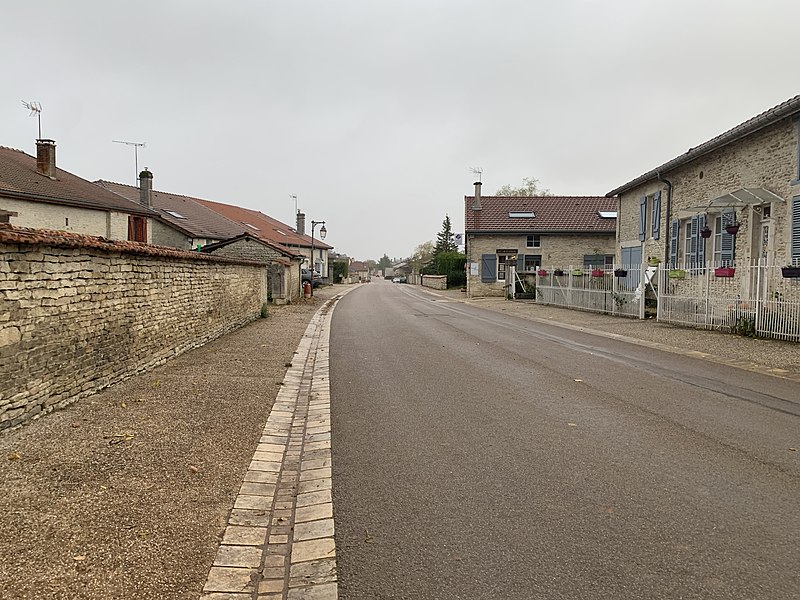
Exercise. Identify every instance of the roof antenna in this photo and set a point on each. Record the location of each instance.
(36, 109)
(136, 146)
(476, 171)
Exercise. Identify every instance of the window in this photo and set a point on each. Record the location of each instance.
(650, 218)
(501, 267)
(534, 241)
(532, 262)
(724, 246)
(137, 229)
(599, 261)
(521, 215)
(178, 215)
(251, 226)
(607, 214)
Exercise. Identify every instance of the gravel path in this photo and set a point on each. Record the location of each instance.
(125, 494)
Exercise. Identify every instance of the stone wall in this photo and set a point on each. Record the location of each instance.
(767, 158)
(78, 314)
(436, 282)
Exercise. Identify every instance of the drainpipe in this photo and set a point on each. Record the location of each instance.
(668, 212)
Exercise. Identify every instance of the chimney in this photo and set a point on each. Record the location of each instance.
(146, 188)
(301, 223)
(46, 158)
(477, 204)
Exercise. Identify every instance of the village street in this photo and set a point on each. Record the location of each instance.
(480, 455)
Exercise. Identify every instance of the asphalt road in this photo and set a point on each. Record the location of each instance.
(478, 455)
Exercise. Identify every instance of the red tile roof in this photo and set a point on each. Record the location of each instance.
(562, 214)
(199, 220)
(282, 249)
(20, 180)
(263, 226)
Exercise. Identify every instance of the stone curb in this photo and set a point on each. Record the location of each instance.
(278, 543)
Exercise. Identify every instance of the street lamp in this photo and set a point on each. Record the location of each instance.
(322, 233)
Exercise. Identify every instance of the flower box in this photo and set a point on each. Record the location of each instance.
(620, 272)
(542, 272)
(677, 274)
(558, 273)
(577, 272)
(790, 272)
(598, 273)
(653, 261)
(724, 272)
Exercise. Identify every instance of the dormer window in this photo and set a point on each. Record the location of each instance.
(521, 215)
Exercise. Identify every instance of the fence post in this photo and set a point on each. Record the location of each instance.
(758, 291)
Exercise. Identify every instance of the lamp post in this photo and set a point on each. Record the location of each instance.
(322, 233)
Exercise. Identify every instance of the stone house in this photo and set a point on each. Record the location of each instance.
(314, 251)
(749, 175)
(284, 270)
(534, 232)
(192, 225)
(359, 271)
(35, 193)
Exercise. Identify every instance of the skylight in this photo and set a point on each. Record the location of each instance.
(177, 215)
(279, 231)
(521, 215)
(251, 226)
(607, 214)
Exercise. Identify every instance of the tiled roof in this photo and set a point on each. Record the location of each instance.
(64, 239)
(358, 265)
(282, 249)
(768, 117)
(200, 221)
(20, 180)
(263, 226)
(564, 214)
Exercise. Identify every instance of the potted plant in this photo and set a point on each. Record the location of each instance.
(705, 232)
(653, 261)
(577, 272)
(558, 272)
(620, 272)
(677, 274)
(733, 227)
(542, 272)
(724, 271)
(790, 271)
(598, 272)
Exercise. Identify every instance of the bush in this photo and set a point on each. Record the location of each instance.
(450, 264)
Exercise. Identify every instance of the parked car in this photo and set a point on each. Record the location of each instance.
(314, 279)
(400, 279)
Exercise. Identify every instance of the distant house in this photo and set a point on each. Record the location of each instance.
(359, 271)
(191, 224)
(749, 175)
(267, 228)
(35, 193)
(534, 231)
(284, 271)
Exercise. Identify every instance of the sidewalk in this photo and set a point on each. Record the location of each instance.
(763, 356)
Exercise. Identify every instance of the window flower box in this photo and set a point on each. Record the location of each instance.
(598, 273)
(790, 272)
(542, 272)
(558, 273)
(653, 261)
(620, 272)
(724, 272)
(677, 274)
(577, 272)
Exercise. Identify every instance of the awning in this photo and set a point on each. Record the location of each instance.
(740, 198)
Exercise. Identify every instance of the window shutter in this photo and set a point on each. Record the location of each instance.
(795, 227)
(642, 217)
(657, 216)
(131, 230)
(694, 241)
(726, 240)
(488, 262)
(520, 262)
(701, 241)
(673, 242)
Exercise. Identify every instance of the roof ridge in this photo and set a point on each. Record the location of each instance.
(14, 149)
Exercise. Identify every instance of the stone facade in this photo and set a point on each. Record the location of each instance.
(74, 319)
(557, 250)
(764, 159)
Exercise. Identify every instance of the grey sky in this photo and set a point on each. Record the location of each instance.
(372, 111)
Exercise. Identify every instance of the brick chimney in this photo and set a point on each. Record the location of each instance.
(146, 188)
(476, 205)
(301, 223)
(46, 158)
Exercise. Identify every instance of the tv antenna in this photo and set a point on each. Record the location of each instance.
(476, 171)
(136, 146)
(294, 196)
(36, 109)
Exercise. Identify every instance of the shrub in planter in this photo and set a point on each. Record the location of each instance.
(724, 271)
(542, 272)
(577, 272)
(676, 274)
(598, 273)
(653, 261)
(558, 273)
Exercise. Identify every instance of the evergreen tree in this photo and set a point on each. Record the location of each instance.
(444, 239)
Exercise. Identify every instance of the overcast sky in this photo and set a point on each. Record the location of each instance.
(373, 111)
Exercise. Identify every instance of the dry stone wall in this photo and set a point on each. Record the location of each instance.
(75, 319)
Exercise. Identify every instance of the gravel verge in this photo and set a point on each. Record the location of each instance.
(125, 494)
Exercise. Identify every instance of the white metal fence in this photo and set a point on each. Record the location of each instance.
(746, 299)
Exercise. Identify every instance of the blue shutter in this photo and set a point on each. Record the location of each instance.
(701, 241)
(795, 228)
(488, 262)
(642, 217)
(694, 242)
(726, 240)
(675, 229)
(657, 216)
(520, 262)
